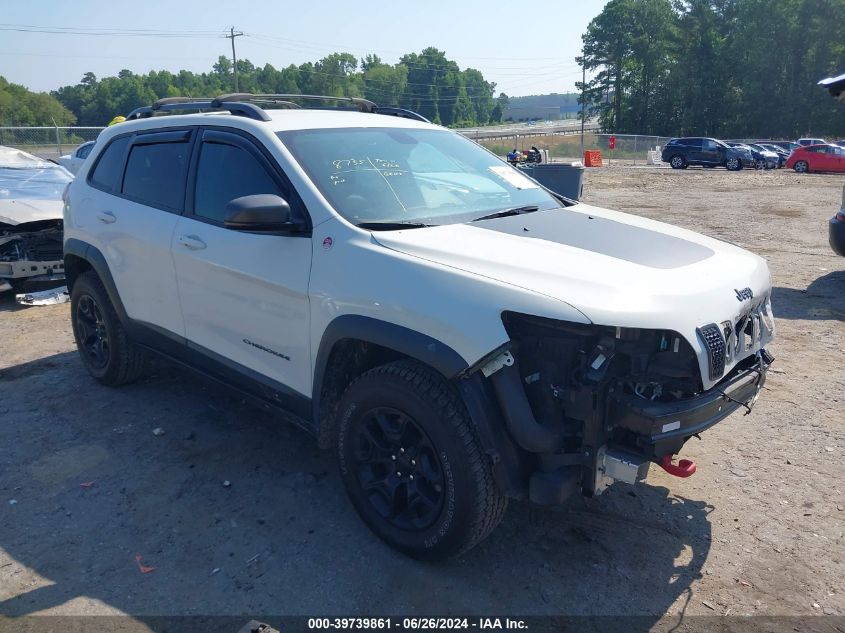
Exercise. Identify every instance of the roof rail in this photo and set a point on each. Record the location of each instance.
(246, 104)
(364, 105)
(248, 110)
(400, 112)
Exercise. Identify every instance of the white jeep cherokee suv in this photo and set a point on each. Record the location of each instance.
(459, 334)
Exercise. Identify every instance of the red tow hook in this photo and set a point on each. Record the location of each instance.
(684, 467)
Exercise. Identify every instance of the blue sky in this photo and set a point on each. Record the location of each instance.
(525, 47)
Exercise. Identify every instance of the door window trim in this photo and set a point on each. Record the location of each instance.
(147, 137)
(248, 143)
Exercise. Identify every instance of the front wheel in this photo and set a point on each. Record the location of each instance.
(802, 167)
(733, 164)
(678, 162)
(412, 462)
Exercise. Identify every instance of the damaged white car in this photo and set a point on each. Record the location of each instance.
(30, 220)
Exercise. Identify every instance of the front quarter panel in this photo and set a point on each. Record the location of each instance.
(354, 275)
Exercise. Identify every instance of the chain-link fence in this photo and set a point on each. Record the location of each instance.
(47, 142)
(630, 146)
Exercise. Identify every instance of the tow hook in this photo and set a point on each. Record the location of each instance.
(684, 467)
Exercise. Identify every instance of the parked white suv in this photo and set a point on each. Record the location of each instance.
(459, 334)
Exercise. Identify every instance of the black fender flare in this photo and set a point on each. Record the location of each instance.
(398, 338)
(92, 255)
(509, 468)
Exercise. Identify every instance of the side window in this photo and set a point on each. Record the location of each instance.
(817, 150)
(83, 151)
(710, 145)
(109, 167)
(226, 172)
(155, 174)
(693, 143)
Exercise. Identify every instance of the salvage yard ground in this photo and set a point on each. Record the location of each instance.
(85, 485)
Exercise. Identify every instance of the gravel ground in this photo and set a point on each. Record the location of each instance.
(86, 486)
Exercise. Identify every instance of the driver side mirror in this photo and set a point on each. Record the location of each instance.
(262, 213)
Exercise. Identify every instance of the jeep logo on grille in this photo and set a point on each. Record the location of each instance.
(744, 294)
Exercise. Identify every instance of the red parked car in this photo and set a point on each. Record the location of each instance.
(817, 158)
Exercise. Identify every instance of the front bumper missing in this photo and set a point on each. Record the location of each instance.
(662, 428)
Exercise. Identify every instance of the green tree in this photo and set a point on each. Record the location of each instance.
(19, 106)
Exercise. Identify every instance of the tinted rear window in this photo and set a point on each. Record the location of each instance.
(110, 165)
(155, 174)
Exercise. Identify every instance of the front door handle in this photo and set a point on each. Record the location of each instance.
(192, 242)
(106, 217)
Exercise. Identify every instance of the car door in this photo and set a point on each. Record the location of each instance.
(244, 295)
(819, 159)
(693, 150)
(710, 152)
(136, 195)
(837, 159)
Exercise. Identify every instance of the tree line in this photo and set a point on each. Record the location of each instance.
(426, 82)
(19, 106)
(724, 68)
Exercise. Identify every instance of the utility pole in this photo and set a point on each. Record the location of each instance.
(232, 35)
(583, 98)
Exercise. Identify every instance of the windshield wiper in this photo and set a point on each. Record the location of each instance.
(392, 226)
(507, 212)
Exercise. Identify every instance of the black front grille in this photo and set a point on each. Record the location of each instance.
(715, 343)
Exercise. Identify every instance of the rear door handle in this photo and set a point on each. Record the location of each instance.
(106, 217)
(192, 242)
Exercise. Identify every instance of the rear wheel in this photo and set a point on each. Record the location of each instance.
(413, 464)
(678, 162)
(104, 347)
(733, 164)
(802, 167)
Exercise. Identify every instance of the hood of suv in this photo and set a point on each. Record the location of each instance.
(617, 269)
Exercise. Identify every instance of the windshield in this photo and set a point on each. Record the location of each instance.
(407, 175)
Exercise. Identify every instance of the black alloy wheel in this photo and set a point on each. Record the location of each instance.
(397, 466)
(92, 332)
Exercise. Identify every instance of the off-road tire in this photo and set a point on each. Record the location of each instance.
(471, 504)
(124, 361)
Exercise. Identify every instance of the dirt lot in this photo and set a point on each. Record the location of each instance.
(757, 531)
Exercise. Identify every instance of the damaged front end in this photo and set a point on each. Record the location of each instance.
(31, 255)
(31, 228)
(590, 405)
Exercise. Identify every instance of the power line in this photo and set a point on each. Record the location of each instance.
(112, 32)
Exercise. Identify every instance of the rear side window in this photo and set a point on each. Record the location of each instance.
(693, 143)
(83, 151)
(155, 174)
(226, 172)
(109, 167)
